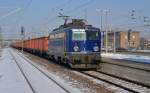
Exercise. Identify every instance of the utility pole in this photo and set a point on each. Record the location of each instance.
(102, 39)
(106, 28)
(22, 36)
(114, 41)
(129, 37)
(101, 27)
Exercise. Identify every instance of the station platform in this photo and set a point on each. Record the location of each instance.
(19, 75)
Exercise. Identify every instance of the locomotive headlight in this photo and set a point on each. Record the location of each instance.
(76, 48)
(95, 48)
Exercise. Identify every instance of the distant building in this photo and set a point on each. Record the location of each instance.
(148, 44)
(124, 39)
(144, 43)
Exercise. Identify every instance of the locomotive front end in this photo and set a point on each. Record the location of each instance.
(85, 48)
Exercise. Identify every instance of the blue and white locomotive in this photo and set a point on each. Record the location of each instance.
(76, 44)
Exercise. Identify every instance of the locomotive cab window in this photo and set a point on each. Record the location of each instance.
(92, 35)
(79, 35)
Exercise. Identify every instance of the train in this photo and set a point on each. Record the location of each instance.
(75, 44)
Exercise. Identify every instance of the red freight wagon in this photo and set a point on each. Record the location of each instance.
(32, 44)
(39, 44)
(42, 44)
(28, 44)
(17, 44)
(25, 44)
(30, 47)
(35, 45)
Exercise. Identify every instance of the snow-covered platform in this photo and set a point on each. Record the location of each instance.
(13, 81)
(132, 67)
(129, 57)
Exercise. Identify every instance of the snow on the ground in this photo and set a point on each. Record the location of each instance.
(147, 51)
(137, 58)
(39, 81)
(11, 79)
(59, 80)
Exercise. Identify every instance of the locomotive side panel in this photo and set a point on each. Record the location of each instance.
(56, 44)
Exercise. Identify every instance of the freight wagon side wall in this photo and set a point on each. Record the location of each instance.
(46, 44)
(32, 44)
(43, 44)
(39, 45)
(36, 45)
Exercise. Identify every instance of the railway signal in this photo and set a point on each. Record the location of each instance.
(22, 36)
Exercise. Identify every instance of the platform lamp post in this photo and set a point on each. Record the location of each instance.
(22, 37)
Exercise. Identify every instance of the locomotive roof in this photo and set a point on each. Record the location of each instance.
(76, 24)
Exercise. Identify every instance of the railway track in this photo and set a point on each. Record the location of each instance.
(39, 69)
(129, 66)
(121, 83)
(44, 62)
(125, 79)
(138, 73)
(22, 72)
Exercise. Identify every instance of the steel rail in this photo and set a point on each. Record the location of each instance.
(21, 70)
(44, 74)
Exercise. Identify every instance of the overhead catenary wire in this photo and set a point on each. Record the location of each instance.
(17, 10)
(23, 10)
(10, 13)
(58, 7)
(54, 18)
(64, 4)
(14, 11)
(81, 6)
(135, 20)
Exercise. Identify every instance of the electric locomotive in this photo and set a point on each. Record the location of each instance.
(76, 44)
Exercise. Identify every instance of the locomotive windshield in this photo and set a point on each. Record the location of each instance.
(85, 35)
(79, 35)
(92, 35)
